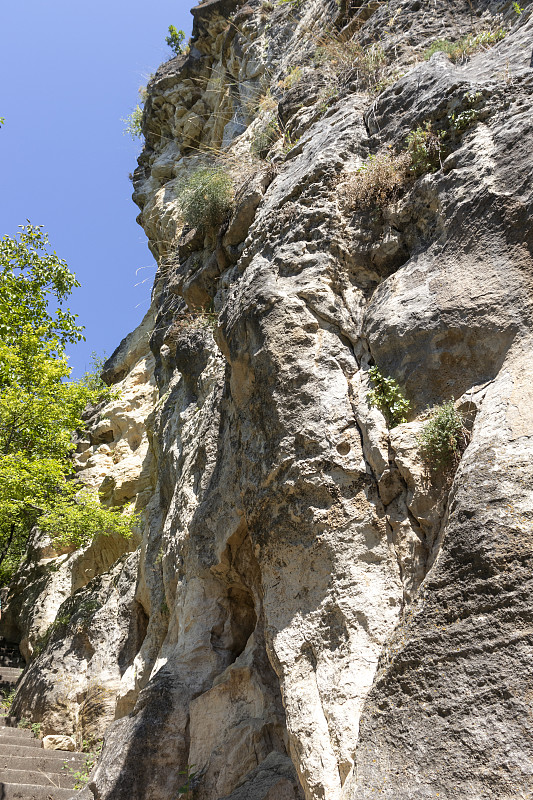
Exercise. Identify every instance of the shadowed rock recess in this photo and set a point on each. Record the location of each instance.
(308, 610)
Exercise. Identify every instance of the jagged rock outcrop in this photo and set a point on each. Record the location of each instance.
(310, 613)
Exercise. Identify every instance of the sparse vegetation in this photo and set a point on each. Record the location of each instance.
(293, 77)
(443, 438)
(388, 397)
(187, 789)
(465, 47)
(206, 198)
(194, 318)
(265, 137)
(351, 61)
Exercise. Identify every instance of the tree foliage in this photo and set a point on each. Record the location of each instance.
(175, 40)
(39, 407)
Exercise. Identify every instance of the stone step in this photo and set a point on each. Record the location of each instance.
(21, 733)
(14, 739)
(10, 673)
(58, 780)
(26, 791)
(10, 722)
(17, 749)
(42, 762)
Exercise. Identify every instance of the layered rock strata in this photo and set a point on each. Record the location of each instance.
(310, 613)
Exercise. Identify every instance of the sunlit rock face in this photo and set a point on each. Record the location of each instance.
(311, 613)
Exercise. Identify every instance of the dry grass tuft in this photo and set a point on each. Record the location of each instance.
(378, 182)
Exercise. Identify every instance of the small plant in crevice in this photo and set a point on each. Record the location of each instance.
(206, 198)
(36, 729)
(187, 789)
(81, 775)
(6, 700)
(388, 398)
(443, 438)
(195, 318)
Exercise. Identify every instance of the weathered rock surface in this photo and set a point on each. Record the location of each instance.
(310, 614)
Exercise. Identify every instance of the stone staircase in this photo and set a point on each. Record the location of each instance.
(27, 771)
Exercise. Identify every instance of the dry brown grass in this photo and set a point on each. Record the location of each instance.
(349, 60)
(378, 182)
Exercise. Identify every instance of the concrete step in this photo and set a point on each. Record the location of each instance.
(20, 733)
(15, 740)
(42, 762)
(26, 791)
(38, 778)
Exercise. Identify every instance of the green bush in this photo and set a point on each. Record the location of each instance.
(75, 521)
(388, 398)
(206, 198)
(443, 438)
(425, 148)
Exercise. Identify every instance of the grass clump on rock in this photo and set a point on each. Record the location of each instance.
(443, 438)
(379, 181)
(465, 47)
(206, 197)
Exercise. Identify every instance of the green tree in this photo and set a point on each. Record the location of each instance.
(39, 407)
(175, 40)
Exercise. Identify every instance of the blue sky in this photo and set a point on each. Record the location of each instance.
(70, 72)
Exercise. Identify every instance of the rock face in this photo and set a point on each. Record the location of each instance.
(312, 613)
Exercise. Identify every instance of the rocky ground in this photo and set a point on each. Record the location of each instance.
(308, 610)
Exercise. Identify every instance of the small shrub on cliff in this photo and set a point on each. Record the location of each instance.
(133, 123)
(175, 40)
(75, 521)
(264, 138)
(443, 438)
(388, 398)
(206, 198)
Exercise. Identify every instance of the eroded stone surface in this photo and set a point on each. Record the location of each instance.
(311, 613)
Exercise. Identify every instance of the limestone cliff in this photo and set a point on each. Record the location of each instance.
(307, 612)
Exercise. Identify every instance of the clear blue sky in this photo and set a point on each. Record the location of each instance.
(69, 72)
